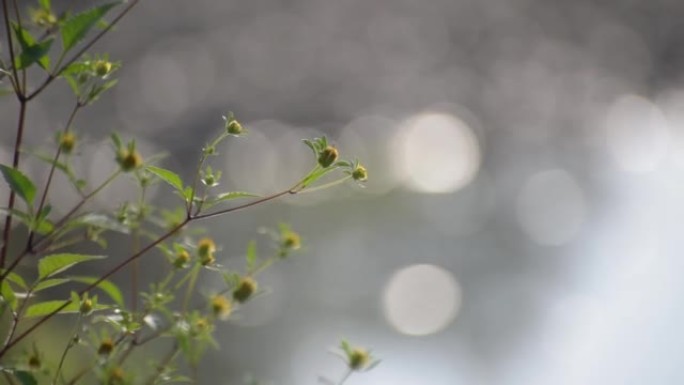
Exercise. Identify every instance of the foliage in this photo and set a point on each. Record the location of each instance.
(49, 46)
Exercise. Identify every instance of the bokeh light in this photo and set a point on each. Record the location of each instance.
(421, 299)
(637, 134)
(437, 152)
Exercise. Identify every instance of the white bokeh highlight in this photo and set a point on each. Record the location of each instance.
(637, 134)
(421, 299)
(437, 153)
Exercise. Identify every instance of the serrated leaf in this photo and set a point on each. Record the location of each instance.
(167, 176)
(107, 286)
(75, 28)
(31, 51)
(251, 255)
(19, 183)
(49, 283)
(48, 307)
(35, 53)
(57, 263)
(26, 378)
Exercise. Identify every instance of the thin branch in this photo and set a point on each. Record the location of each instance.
(137, 255)
(291, 191)
(12, 197)
(10, 45)
(80, 52)
(53, 166)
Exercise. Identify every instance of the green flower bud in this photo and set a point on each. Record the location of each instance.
(102, 68)
(182, 259)
(358, 359)
(116, 376)
(221, 306)
(67, 141)
(129, 160)
(360, 174)
(233, 127)
(205, 249)
(86, 306)
(106, 347)
(34, 362)
(291, 240)
(245, 289)
(328, 156)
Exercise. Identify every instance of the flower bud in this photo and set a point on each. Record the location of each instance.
(67, 141)
(86, 306)
(328, 156)
(245, 289)
(106, 347)
(34, 362)
(221, 306)
(358, 359)
(233, 127)
(116, 376)
(360, 174)
(102, 68)
(205, 246)
(291, 240)
(205, 249)
(129, 160)
(182, 259)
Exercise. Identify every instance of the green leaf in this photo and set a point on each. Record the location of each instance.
(100, 221)
(49, 283)
(233, 195)
(251, 255)
(35, 53)
(107, 286)
(19, 183)
(26, 378)
(225, 197)
(8, 295)
(316, 175)
(167, 176)
(48, 307)
(44, 3)
(31, 51)
(97, 91)
(16, 279)
(57, 263)
(77, 26)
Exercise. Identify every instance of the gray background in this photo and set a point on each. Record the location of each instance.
(553, 199)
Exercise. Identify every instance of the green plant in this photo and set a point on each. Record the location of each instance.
(51, 46)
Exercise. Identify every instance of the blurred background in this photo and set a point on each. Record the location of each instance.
(526, 158)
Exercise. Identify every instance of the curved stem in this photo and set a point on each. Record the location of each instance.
(163, 364)
(68, 347)
(12, 196)
(53, 166)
